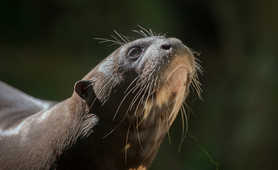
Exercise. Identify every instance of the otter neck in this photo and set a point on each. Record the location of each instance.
(144, 141)
(133, 145)
(64, 124)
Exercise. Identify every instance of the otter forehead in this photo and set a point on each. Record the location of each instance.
(144, 41)
(153, 41)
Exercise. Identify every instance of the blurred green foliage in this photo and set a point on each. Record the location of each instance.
(45, 46)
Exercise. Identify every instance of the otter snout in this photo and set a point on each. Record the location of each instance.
(167, 48)
(163, 47)
(171, 43)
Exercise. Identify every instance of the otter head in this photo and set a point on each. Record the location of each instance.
(141, 87)
(155, 71)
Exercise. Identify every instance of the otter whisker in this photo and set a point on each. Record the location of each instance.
(185, 119)
(184, 132)
(105, 40)
(110, 132)
(126, 143)
(122, 37)
(138, 84)
(124, 116)
(142, 96)
(141, 33)
(147, 31)
(149, 86)
(127, 93)
(182, 124)
(137, 95)
(135, 80)
(197, 86)
(145, 104)
(155, 85)
(151, 32)
(138, 134)
(117, 126)
(194, 77)
(127, 110)
(154, 89)
(117, 39)
(144, 89)
(149, 91)
(168, 124)
(133, 89)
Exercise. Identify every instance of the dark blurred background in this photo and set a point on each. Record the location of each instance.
(47, 45)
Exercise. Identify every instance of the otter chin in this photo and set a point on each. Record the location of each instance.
(116, 118)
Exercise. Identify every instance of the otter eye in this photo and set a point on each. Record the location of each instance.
(135, 52)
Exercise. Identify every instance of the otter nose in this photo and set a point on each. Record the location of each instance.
(166, 46)
(171, 43)
(175, 42)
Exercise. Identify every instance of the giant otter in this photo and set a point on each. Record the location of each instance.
(115, 119)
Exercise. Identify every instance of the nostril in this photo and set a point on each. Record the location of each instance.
(166, 46)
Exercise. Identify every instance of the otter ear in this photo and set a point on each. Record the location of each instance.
(84, 88)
